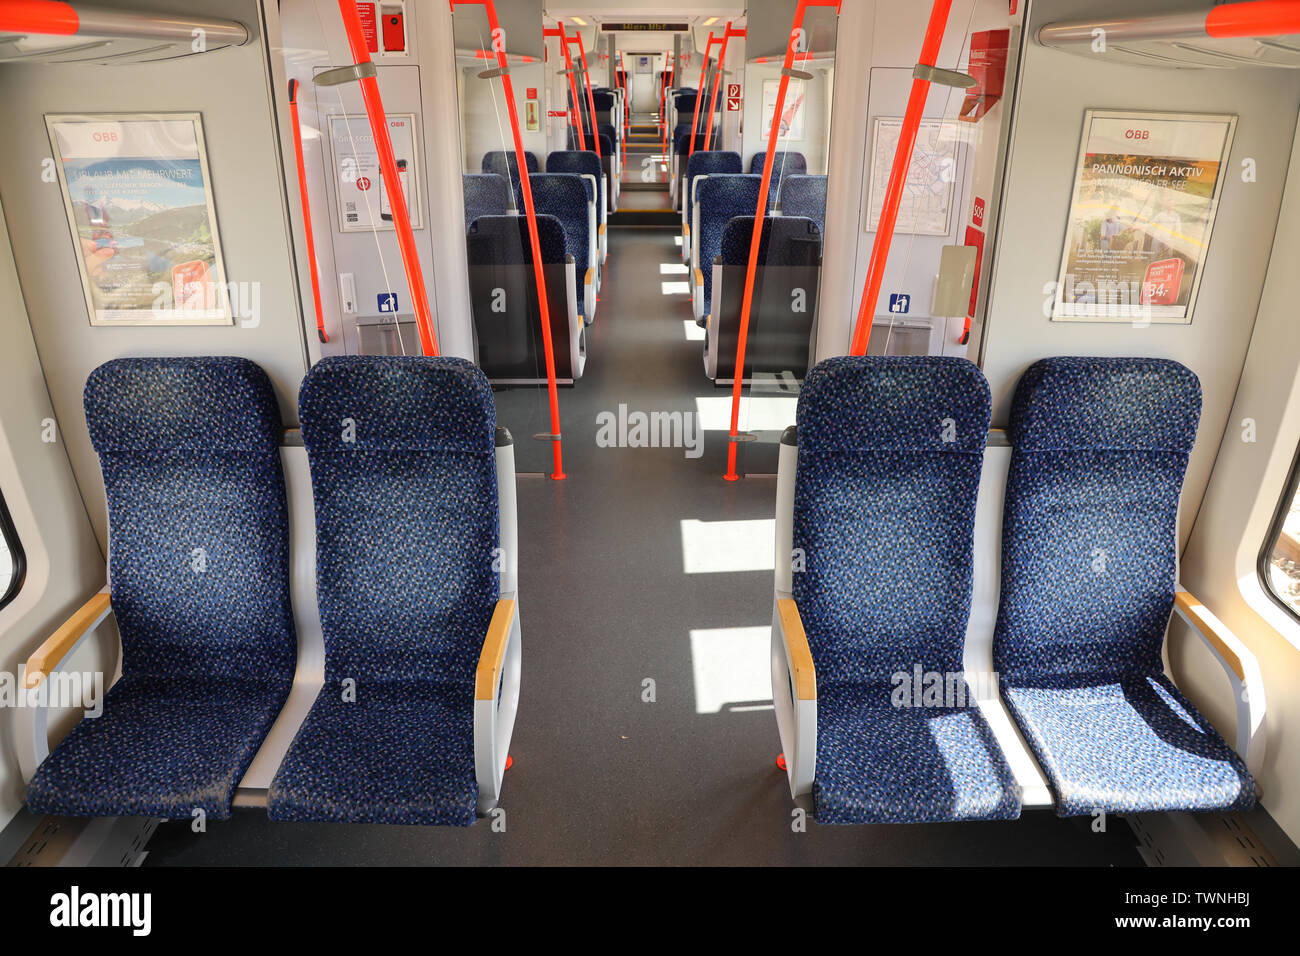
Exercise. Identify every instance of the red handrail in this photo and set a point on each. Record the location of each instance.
(306, 210)
(388, 173)
(727, 34)
(539, 274)
(760, 214)
(699, 93)
(898, 178)
(575, 115)
(591, 100)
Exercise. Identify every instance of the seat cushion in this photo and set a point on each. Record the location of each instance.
(161, 748)
(402, 752)
(877, 763)
(1131, 746)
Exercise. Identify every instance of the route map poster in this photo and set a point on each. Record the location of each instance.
(1146, 191)
(926, 209)
(139, 201)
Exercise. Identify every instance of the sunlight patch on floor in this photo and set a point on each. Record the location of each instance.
(732, 667)
(713, 547)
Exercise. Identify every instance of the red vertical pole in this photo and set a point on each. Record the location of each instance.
(575, 113)
(539, 274)
(306, 211)
(760, 214)
(591, 100)
(392, 185)
(699, 93)
(727, 34)
(663, 102)
(898, 179)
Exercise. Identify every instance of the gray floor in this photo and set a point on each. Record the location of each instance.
(601, 777)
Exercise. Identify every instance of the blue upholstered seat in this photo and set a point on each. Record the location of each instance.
(890, 452)
(565, 196)
(504, 240)
(712, 163)
(581, 163)
(720, 198)
(805, 196)
(786, 163)
(486, 194)
(199, 565)
(406, 525)
(504, 163)
(786, 241)
(1089, 561)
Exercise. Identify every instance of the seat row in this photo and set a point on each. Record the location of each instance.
(343, 647)
(942, 600)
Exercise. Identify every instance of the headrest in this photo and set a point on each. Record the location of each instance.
(707, 163)
(211, 404)
(1105, 404)
(504, 240)
(486, 189)
(562, 188)
(574, 161)
(396, 403)
(603, 100)
(803, 195)
(798, 241)
(894, 403)
(499, 161)
(785, 162)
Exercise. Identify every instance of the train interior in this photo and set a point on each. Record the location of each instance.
(630, 433)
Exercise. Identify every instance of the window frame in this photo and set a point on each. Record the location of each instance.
(1280, 513)
(16, 553)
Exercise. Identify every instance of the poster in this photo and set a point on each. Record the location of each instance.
(791, 116)
(358, 185)
(926, 207)
(1146, 190)
(139, 202)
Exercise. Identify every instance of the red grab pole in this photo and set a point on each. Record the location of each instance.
(898, 179)
(591, 100)
(388, 172)
(695, 120)
(575, 114)
(306, 210)
(760, 215)
(727, 34)
(539, 275)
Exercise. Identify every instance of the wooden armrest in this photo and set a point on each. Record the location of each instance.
(589, 277)
(601, 229)
(686, 228)
(699, 278)
(797, 650)
(488, 674)
(1211, 629)
(56, 647)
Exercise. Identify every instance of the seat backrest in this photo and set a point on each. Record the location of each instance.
(786, 241)
(711, 163)
(603, 99)
(504, 241)
(198, 535)
(890, 453)
(721, 198)
(1089, 527)
(486, 194)
(684, 103)
(403, 471)
(504, 163)
(580, 163)
(805, 196)
(565, 196)
(785, 162)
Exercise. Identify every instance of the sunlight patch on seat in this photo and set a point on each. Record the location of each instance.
(721, 547)
(732, 669)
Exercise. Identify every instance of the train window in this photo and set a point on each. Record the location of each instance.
(12, 564)
(1280, 564)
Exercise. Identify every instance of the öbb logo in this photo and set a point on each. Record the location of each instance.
(1137, 134)
(106, 136)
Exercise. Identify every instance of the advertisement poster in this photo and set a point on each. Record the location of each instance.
(791, 116)
(362, 199)
(926, 208)
(139, 201)
(1146, 190)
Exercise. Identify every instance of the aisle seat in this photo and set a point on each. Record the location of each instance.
(700, 164)
(783, 303)
(503, 295)
(1089, 578)
(718, 200)
(571, 200)
(198, 556)
(418, 612)
(877, 497)
(584, 163)
(486, 194)
(785, 162)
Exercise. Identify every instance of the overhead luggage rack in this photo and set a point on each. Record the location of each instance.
(1257, 33)
(48, 31)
